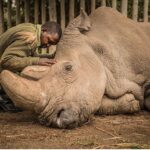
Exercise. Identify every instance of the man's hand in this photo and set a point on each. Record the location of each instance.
(46, 62)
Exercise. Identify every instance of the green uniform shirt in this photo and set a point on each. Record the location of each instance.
(17, 46)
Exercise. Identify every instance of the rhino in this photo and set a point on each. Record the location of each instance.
(103, 67)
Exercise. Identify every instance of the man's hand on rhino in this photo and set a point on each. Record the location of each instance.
(46, 62)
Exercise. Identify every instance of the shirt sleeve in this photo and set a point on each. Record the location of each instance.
(17, 56)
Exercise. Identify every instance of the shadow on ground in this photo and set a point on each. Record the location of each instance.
(22, 130)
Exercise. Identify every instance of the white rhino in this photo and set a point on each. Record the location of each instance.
(103, 67)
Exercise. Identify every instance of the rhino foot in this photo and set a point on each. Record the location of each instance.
(123, 105)
(130, 106)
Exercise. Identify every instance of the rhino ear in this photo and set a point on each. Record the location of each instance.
(85, 23)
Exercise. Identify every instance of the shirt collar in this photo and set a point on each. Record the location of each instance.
(38, 31)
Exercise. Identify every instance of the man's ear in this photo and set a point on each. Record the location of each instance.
(85, 23)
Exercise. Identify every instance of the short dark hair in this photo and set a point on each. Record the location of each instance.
(52, 27)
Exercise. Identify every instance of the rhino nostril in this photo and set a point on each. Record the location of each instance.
(60, 111)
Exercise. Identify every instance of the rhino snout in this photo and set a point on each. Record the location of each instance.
(67, 118)
(64, 117)
(70, 118)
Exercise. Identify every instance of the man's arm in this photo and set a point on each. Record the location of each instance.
(46, 52)
(17, 56)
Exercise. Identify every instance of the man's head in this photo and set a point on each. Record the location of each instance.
(51, 34)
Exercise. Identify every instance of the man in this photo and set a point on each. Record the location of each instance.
(18, 47)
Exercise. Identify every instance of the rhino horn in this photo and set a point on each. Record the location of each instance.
(26, 94)
(85, 23)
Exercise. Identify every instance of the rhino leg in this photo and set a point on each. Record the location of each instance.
(122, 105)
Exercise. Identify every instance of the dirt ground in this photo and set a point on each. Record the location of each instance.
(22, 130)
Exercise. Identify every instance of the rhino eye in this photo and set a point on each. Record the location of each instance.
(68, 67)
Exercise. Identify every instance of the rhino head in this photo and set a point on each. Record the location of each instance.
(67, 93)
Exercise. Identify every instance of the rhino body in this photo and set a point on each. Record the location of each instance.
(102, 67)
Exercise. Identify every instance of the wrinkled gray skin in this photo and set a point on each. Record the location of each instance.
(102, 67)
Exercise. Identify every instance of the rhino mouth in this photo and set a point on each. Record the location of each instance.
(64, 117)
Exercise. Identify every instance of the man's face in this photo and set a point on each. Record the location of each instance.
(48, 39)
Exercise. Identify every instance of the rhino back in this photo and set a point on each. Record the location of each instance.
(127, 42)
